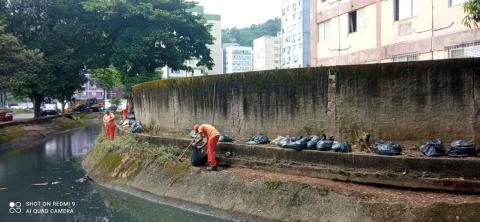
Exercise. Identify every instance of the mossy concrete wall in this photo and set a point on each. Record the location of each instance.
(397, 101)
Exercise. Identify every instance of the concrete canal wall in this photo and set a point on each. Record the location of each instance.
(132, 165)
(396, 101)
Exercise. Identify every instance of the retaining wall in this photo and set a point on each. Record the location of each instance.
(396, 101)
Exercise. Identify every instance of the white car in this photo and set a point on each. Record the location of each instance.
(49, 109)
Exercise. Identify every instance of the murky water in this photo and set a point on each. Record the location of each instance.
(45, 183)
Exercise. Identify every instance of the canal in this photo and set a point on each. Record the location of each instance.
(47, 183)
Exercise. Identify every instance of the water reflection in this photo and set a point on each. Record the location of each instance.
(51, 172)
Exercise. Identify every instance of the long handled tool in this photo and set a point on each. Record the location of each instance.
(185, 150)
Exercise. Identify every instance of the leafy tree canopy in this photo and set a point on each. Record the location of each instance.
(69, 38)
(245, 36)
(472, 9)
(147, 34)
(18, 65)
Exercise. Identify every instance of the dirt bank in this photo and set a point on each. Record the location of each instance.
(128, 163)
(35, 130)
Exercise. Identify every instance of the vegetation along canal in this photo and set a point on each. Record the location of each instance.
(46, 183)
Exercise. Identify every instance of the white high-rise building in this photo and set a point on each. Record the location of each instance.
(267, 53)
(295, 33)
(215, 49)
(238, 59)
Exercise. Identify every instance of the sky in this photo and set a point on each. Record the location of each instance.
(243, 13)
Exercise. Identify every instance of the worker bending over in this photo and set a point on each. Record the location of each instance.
(109, 123)
(212, 134)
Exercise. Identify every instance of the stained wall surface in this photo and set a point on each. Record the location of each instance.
(396, 101)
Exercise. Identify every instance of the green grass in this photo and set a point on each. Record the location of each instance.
(87, 116)
(107, 156)
(273, 185)
(109, 162)
(10, 133)
(68, 123)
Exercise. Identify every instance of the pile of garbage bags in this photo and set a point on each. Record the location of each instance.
(458, 148)
(388, 148)
(433, 148)
(135, 126)
(225, 139)
(462, 148)
(258, 139)
(300, 143)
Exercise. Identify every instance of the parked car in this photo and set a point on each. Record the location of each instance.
(8, 117)
(49, 109)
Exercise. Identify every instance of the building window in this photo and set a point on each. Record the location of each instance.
(455, 2)
(352, 22)
(468, 50)
(405, 57)
(405, 9)
(324, 31)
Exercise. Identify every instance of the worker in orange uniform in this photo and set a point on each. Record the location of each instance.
(212, 134)
(125, 114)
(109, 123)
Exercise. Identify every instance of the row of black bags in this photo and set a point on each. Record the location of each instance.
(458, 148)
(430, 148)
(300, 143)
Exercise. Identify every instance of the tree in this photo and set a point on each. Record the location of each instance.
(18, 66)
(66, 34)
(245, 36)
(147, 34)
(472, 9)
(106, 78)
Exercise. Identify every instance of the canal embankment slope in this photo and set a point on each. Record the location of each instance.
(130, 163)
(36, 130)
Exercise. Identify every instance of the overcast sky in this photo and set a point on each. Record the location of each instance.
(243, 13)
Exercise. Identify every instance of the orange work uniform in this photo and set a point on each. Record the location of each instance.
(109, 123)
(125, 114)
(213, 136)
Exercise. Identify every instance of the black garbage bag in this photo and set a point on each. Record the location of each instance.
(312, 143)
(137, 128)
(433, 148)
(258, 139)
(298, 145)
(224, 138)
(199, 157)
(325, 144)
(389, 148)
(340, 146)
(284, 142)
(462, 148)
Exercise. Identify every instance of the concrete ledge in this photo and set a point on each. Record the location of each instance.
(450, 174)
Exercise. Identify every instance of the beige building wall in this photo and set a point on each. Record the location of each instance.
(385, 38)
(266, 53)
(216, 48)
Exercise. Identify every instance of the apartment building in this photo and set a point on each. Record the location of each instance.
(91, 90)
(267, 53)
(373, 31)
(216, 51)
(295, 34)
(238, 59)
